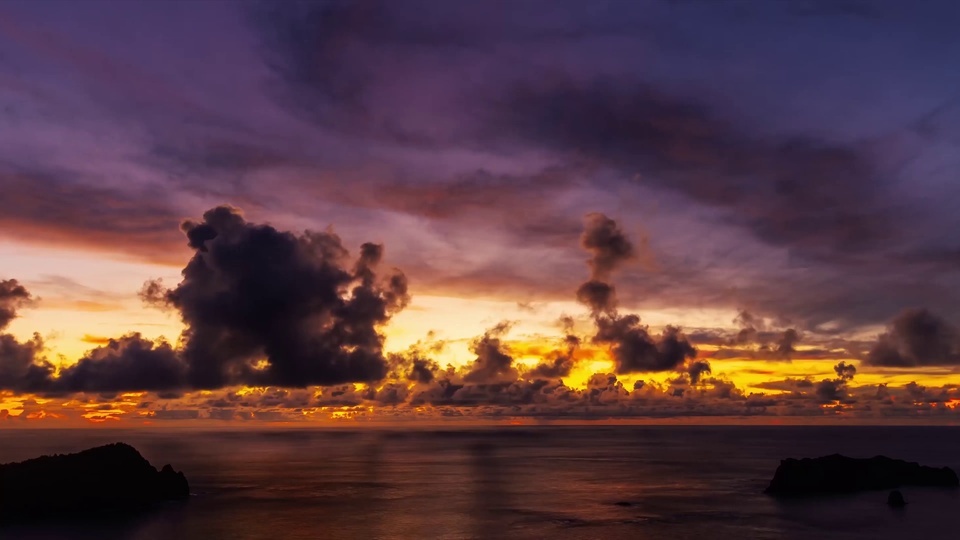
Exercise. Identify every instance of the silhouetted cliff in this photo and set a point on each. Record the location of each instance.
(111, 479)
(841, 474)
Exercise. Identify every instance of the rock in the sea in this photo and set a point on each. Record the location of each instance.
(111, 479)
(841, 474)
(896, 500)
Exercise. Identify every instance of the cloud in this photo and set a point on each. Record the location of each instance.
(634, 350)
(13, 296)
(785, 345)
(696, 371)
(21, 368)
(607, 244)
(493, 362)
(422, 370)
(558, 364)
(127, 363)
(679, 144)
(757, 338)
(41, 207)
(830, 390)
(261, 307)
(837, 390)
(287, 312)
(916, 337)
(254, 293)
(600, 297)
(212, 157)
(845, 371)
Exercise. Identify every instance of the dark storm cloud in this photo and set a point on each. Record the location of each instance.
(600, 297)
(552, 369)
(13, 296)
(21, 368)
(824, 391)
(696, 371)
(829, 390)
(493, 362)
(845, 371)
(128, 363)
(634, 350)
(785, 345)
(422, 370)
(413, 366)
(788, 385)
(503, 394)
(916, 337)
(757, 338)
(609, 248)
(251, 292)
(558, 364)
(607, 244)
(261, 307)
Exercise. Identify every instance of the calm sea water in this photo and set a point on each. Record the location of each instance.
(524, 483)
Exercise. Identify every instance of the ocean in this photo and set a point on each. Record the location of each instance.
(575, 483)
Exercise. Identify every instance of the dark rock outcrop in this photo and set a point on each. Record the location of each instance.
(108, 480)
(841, 474)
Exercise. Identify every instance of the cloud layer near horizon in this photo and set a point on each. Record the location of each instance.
(270, 309)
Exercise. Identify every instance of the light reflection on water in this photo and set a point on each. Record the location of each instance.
(569, 483)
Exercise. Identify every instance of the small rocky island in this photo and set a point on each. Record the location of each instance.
(104, 481)
(841, 474)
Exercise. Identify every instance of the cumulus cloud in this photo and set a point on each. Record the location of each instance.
(127, 363)
(282, 312)
(493, 362)
(21, 368)
(261, 307)
(558, 364)
(636, 350)
(845, 371)
(13, 295)
(609, 247)
(422, 370)
(254, 293)
(633, 348)
(916, 337)
(600, 297)
(787, 341)
(696, 371)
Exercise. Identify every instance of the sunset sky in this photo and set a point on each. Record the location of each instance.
(214, 212)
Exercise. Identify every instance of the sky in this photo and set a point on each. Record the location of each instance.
(537, 211)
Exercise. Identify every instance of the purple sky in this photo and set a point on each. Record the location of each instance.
(796, 160)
